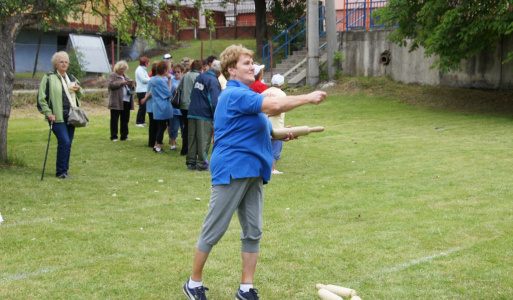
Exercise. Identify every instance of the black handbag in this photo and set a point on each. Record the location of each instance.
(177, 98)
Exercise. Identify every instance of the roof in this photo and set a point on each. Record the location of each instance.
(243, 6)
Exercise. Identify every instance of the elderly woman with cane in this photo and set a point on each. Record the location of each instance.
(58, 93)
(241, 164)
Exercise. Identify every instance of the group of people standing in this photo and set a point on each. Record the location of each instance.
(199, 88)
(200, 83)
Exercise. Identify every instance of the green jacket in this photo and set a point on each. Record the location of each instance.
(54, 95)
(187, 83)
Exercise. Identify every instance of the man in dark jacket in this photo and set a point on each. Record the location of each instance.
(201, 116)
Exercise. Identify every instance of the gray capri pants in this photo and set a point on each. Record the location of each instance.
(244, 195)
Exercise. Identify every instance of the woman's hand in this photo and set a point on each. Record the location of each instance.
(75, 88)
(51, 118)
(146, 97)
(317, 97)
(290, 136)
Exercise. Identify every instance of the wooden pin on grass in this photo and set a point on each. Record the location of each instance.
(327, 295)
(339, 290)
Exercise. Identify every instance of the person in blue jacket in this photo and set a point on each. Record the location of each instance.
(175, 123)
(160, 88)
(200, 119)
(240, 165)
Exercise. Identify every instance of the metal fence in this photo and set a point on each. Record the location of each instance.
(357, 15)
(29, 58)
(360, 15)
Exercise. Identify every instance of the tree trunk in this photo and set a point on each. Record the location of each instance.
(6, 85)
(261, 25)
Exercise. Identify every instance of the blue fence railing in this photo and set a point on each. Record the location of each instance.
(357, 15)
(293, 38)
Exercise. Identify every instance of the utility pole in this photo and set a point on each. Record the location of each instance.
(331, 36)
(312, 72)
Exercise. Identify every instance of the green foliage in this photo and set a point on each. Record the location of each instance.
(323, 71)
(210, 21)
(452, 30)
(76, 64)
(337, 62)
(284, 14)
(323, 67)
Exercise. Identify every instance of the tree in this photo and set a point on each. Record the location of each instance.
(452, 30)
(285, 13)
(261, 25)
(16, 14)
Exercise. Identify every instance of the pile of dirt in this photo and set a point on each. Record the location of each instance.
(94, 82)
(89, 82)
(26, 83)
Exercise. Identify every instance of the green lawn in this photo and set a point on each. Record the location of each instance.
(192, 50)
(394, 201)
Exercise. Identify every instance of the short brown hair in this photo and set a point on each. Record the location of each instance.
(179, 66)
(154, 67)
(196, 65)
(230, 57)
(162, 67)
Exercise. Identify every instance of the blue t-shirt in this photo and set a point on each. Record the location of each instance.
(160, 93)
(242, 136)
(149, 102)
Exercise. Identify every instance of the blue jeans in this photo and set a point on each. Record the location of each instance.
(174, 125)
(64, 134)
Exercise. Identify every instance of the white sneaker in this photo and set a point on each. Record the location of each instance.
(140, 125)
(276, 172)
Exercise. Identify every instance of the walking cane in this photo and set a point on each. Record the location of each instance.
(48, 146)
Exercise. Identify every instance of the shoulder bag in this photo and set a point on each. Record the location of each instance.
(176, 100)
(77, 117)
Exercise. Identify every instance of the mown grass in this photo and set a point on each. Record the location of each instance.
(192, 50)
(392, 200)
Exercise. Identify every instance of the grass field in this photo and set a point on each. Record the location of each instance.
(192, 50)
(393, 200)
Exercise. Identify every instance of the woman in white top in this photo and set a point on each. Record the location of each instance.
(141, 79)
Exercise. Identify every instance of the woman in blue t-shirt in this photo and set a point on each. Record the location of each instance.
(241, 164)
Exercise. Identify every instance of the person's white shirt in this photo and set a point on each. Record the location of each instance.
(141, 79)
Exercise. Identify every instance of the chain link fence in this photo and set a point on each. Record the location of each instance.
(34, 58)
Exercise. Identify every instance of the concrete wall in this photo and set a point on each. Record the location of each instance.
(362, 52)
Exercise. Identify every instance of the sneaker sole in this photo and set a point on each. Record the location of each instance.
(186, 293)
